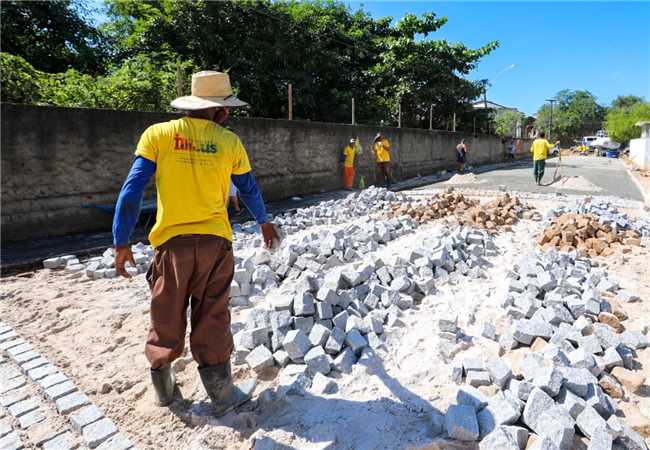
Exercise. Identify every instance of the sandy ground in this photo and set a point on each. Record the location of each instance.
(95, 331)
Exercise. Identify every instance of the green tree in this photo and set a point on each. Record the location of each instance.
(505, 122)
(626, 101)
(52, 35)
(575, 114)
(19, 81)
(620, 121)
(329, 54)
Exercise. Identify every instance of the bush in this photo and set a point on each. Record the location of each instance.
(620, 122)
(19, 80)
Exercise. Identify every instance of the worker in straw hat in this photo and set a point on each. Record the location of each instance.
(193, 158)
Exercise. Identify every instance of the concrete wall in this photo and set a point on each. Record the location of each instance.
(55, 160)
(640, 152)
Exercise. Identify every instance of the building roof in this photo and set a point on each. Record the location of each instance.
(490, 105)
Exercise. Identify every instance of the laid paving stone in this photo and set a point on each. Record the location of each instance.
(461, 423)
(65, 440)
(52, 379)
(18, 349)
(59, 390)
(34, 363)
(14, 383)
(71, 402)
(9, 398)
(24, 406)
(11, 441)
(42, 432)
(31, 418)
(5, 427)
(26, 357)
(9, 343)
(41, 372)
(97, 432)
(116, 442)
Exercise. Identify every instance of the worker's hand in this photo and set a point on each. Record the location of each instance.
(122, 255)
(557, 142)
(270, 234)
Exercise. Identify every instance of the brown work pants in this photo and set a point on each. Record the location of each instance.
(196, 270)
(384, 172)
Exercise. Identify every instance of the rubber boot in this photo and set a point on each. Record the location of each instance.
(225, 395)
(164, 381)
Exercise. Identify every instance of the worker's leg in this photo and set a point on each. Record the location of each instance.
(385, 170)
(211, 341)
(535, 171)
(348, 177)
(168, 278)
(542, 165)
(380, 175)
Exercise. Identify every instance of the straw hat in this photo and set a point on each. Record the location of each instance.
(209, 89)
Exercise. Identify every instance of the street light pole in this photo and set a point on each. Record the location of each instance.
(550, 127)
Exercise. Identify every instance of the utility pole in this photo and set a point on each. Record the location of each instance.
(550, 127)
(290, 92)
(430, 117)
(352, 110)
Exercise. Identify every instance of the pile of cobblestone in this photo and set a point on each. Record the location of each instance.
(368, 201)
(580, 360)
(587, 234)
(326, 319)
(606, 213)
(503, 211)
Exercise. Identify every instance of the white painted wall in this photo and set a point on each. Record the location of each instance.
(640, 152)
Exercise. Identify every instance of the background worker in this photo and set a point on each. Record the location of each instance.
(193, 159)
(539, 149)
(381, 148)
(349, 154)
(461, 155)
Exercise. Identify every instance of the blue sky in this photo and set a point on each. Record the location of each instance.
(603, 47)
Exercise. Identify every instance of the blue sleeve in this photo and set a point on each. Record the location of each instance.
(127, 208)
(250, 194)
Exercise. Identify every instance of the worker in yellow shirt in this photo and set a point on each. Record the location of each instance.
(193, 159)
(350, 152)
(539, 149)
(381, 148)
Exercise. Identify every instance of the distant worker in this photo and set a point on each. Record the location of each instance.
(193, 160)
(512, 150)
(539, 149)
(461, 155)
(381, 148)
(350, 152)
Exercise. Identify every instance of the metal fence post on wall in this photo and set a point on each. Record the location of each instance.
(430, 117)
(353, 121)
(290, 92)
(454, 124)
(399, 115)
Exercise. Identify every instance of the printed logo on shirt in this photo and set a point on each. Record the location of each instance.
(183, 144)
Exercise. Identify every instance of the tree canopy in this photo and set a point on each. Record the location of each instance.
(621, 120)
(328, 53)
(506, 121)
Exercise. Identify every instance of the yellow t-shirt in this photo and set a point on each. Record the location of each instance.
(382, 150)
(349, 153)
(539, 148)
(194, 160)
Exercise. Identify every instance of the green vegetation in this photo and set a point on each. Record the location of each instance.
(575, 114)
(621, 120)
(505, 122)
(146, 52)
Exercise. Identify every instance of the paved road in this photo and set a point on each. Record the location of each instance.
(607, 174)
